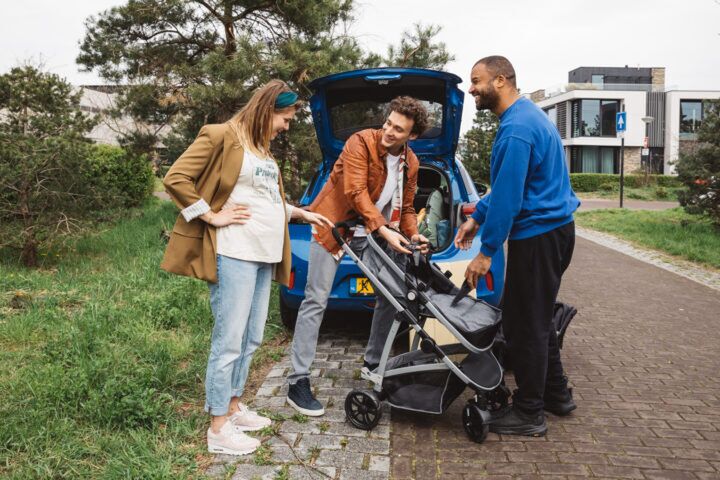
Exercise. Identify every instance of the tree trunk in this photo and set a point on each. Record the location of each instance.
(29, 251)
(229, 26)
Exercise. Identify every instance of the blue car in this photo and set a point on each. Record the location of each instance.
(347, 102)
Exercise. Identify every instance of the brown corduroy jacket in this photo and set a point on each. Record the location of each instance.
(355, 184)
(208, 169)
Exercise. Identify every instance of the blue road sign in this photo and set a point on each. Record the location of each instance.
(620, 122)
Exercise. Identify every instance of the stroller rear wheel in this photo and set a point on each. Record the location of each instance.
(363, 409)
(473, 422)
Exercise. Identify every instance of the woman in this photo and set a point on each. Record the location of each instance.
(232, 232)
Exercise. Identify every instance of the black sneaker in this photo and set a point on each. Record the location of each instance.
(558, 398)
(517, 422)
(300, 397)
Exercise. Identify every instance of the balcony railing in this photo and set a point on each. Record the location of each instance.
(556, 90)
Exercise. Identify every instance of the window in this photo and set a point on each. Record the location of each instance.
(598, 80)
(691, 113)
(594, 117)
(349, 118)
(552, 114)
(594, 160)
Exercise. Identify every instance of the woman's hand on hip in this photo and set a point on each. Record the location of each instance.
(229, 215)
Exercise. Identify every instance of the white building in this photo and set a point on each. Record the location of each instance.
(97, 101)
(584, 111)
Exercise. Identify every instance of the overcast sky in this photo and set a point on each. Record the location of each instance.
(544, 40)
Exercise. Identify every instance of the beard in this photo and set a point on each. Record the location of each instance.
(487, 99)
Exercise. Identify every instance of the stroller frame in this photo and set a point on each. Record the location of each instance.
(363, 408)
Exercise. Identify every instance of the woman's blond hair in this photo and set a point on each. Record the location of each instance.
(253, 123)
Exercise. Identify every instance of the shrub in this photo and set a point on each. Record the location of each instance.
(120, 178)
(699, 170)
(593, 182)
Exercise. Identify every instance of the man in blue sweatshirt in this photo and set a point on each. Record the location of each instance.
(531, 204)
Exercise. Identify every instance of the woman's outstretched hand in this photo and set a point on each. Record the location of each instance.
(314, 218)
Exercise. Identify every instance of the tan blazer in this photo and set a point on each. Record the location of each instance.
(208, 169)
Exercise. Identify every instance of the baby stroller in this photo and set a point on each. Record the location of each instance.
(429, 377)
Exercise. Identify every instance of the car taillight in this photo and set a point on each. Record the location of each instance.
(489, 281)
(468, 208)
(291, 283)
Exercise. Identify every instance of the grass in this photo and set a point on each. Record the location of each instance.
(158, 185)
(102, 359)
(672, 231)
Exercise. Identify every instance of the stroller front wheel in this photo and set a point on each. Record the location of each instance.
(363, 409)
(473, 422)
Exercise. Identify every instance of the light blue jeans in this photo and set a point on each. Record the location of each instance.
(239, 302)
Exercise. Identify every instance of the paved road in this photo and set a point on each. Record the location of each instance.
(643, 355)
(597, 203)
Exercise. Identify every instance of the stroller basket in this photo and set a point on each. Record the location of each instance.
(423, 391)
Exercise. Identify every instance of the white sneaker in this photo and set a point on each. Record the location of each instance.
(230, 441)
(247, 420)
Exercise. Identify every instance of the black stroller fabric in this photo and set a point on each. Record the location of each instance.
(476, 320)
(425, 391)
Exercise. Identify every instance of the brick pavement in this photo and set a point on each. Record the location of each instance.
(643, 355)
(326, 447)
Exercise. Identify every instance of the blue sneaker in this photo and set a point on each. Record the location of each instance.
(300, 397)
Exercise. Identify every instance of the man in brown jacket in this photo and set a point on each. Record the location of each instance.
(375, 178)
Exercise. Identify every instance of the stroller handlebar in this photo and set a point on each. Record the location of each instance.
(346, 225)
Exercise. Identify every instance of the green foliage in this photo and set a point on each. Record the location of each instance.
(119, 178)
(43, 153)
(593, 182)
(609, 187)
(197, 62)
(699, 170)
(476, 145)
(419, 49)
(674, 231)
(190, 63)
(101, 364)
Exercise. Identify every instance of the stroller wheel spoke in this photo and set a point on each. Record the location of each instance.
(362, 409)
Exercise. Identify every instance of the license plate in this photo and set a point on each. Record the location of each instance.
(361, 286)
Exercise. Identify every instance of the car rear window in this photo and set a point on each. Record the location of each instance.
(349, 118)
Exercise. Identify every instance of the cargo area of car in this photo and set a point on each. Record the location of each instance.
(432, 185)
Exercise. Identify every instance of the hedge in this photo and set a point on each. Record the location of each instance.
(118, 178)
(593, 182)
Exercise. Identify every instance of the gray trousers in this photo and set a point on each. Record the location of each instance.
(322, 267)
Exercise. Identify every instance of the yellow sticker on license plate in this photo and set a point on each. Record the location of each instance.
(361, 286)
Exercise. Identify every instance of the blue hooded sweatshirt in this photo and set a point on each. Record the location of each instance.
(530, 185)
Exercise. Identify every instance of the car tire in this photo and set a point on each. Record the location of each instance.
(288, 315)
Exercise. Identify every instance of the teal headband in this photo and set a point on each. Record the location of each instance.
(286, 99)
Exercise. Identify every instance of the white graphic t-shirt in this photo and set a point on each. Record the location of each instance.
(390, 200)
(261, 238)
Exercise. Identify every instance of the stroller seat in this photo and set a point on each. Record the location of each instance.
(476, 320)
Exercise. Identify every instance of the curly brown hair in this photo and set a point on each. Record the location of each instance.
(413, 109)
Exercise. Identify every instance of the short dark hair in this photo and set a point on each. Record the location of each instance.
(413, 109)
(498, 65)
